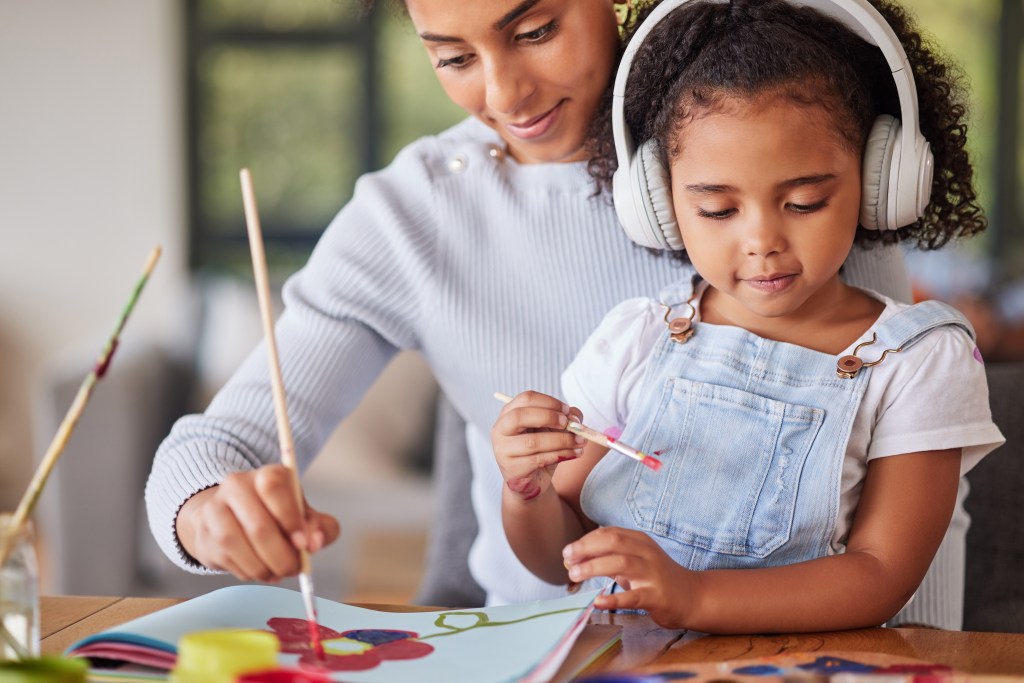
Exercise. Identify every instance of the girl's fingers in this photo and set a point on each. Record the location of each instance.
(630, 599)
(540, 443)
(605, 565)
(608, 551)
(522, 420)
(532, 410)
(603, 541)
(535, 399)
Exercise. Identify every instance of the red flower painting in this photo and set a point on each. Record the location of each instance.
(353, 650)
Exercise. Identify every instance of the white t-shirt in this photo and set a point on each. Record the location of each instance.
(931, 396)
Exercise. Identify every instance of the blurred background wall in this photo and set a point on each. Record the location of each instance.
(91, 178)
(124, 124)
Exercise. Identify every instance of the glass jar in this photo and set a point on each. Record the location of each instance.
(19, 592)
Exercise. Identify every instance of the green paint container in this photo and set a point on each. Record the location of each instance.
(44, 670)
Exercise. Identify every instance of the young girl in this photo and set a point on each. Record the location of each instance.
(811, 433)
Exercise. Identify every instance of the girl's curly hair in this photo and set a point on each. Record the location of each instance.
(706, 52)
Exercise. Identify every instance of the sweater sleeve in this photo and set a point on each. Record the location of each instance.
(346, 314)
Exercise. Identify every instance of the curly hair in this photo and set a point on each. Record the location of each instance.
(703, 53)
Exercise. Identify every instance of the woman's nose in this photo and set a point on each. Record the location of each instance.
(506, 86)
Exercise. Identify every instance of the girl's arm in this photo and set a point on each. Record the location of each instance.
(903, 513)
(544, 468)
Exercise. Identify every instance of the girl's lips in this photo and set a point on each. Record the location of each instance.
(536, 126)
(771, 284)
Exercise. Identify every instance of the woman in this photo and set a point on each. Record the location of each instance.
(422, 258)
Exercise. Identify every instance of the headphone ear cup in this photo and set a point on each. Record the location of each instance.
(657, 194)
(876, 170)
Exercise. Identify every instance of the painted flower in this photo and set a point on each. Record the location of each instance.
(353, 650)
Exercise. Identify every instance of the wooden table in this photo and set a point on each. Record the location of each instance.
(645, 646)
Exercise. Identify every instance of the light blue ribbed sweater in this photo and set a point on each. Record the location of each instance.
(497, 272)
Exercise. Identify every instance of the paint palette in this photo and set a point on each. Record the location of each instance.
(835, 667)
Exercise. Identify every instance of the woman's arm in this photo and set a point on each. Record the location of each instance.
(350, 309)
(901, 518)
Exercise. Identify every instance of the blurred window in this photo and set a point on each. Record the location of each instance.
(309, 95)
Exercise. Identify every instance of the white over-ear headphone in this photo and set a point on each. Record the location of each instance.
(897, 165)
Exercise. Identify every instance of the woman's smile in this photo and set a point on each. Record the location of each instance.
(538, 125)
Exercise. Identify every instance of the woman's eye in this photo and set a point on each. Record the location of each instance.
(538, 35)
(459, 62)
(715, 215)
(807, 208)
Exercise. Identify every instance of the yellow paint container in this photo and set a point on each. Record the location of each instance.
(221, 656)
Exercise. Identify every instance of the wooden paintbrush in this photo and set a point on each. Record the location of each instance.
(67, 426)
(284, 429)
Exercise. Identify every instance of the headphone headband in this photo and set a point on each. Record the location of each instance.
(910, 176)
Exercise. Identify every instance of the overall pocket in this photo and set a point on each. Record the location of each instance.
(731, 468)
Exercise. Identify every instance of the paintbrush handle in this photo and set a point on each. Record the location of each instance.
(67, 425)
(284, 429)
(603, 440)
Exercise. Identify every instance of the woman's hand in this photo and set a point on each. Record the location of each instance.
(529, 440)
(650, 579)
(250, 525)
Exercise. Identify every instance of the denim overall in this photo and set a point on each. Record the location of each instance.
(754, 433)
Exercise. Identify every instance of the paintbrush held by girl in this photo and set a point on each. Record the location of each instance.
(812, 433)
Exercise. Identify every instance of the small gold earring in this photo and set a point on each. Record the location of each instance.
(623, 16)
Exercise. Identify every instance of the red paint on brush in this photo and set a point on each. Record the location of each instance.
(314, 637)
(653, 463)
(101, 367)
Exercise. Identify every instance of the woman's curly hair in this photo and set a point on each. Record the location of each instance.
(706, 52)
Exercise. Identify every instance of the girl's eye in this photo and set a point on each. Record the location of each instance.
(715, 215)
(807, 208)
(538, 35)
(459, 62)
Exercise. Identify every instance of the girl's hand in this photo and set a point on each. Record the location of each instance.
(650, 579)
(529, 439)
(250, 525)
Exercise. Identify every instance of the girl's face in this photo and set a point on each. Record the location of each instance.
(533, 70)
(767, 196)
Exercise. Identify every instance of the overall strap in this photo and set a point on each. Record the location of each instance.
(680, 291)
(911, 324)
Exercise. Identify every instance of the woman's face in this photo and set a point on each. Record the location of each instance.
(532, 70)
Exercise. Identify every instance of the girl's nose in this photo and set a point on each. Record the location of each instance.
(506, 86)
(764, 236)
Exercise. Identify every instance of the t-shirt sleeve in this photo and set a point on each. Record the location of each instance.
(605, 377)
(936, 401)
